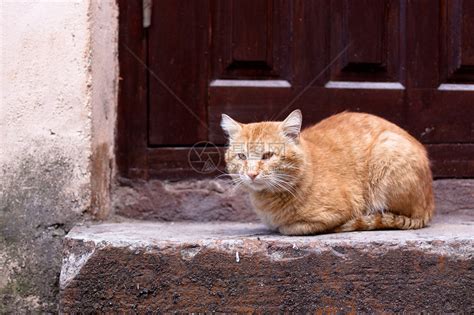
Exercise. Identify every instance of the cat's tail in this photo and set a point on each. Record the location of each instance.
(383, 221)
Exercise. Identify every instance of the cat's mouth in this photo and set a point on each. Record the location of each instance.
(256, 184)
(274, 183)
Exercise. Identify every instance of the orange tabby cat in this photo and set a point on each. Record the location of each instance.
(351, 171)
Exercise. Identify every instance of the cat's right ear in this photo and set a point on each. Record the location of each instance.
(230, 126)
(291, 126)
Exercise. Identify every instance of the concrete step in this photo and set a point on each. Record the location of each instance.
(242, 267)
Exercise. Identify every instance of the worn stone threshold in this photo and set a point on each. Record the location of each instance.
(217, 200)
(242, 267)
(145, 233)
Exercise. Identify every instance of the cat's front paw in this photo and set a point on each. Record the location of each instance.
(287, 230)
(302, 228)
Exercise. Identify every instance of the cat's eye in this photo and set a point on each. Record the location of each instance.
(267, 155)
(242, 156)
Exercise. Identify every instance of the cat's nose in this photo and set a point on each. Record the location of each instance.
(252, 175)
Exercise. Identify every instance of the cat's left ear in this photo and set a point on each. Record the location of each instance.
(291, 126)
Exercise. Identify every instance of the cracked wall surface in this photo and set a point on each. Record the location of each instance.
(55, 164)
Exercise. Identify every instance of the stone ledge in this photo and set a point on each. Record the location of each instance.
(241, 267)
(216, 200)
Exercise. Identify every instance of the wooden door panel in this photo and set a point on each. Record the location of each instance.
(442, 116)
(371, 31)
(250, 39)
(457, 29)
(440, 72)
(178, 67)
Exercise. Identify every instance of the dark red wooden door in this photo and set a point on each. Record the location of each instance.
(409, 61)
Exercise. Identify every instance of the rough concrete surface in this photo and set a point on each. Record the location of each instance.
(216, 199)
(47, 178)
(37, 208)
(241, 267)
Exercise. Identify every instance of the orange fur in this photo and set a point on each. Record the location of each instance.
(351, 171)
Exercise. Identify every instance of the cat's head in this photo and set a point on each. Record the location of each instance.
(265, 155)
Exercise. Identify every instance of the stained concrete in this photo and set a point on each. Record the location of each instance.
(242, 267)
(37, 208)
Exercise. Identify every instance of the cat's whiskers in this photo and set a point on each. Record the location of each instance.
(237, 183)
(279, 182)
(235, 179)
(284, 187)
(287, 180)
(273, 187)
(285, 176)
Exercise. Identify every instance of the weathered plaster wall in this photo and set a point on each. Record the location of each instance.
(55, 163)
